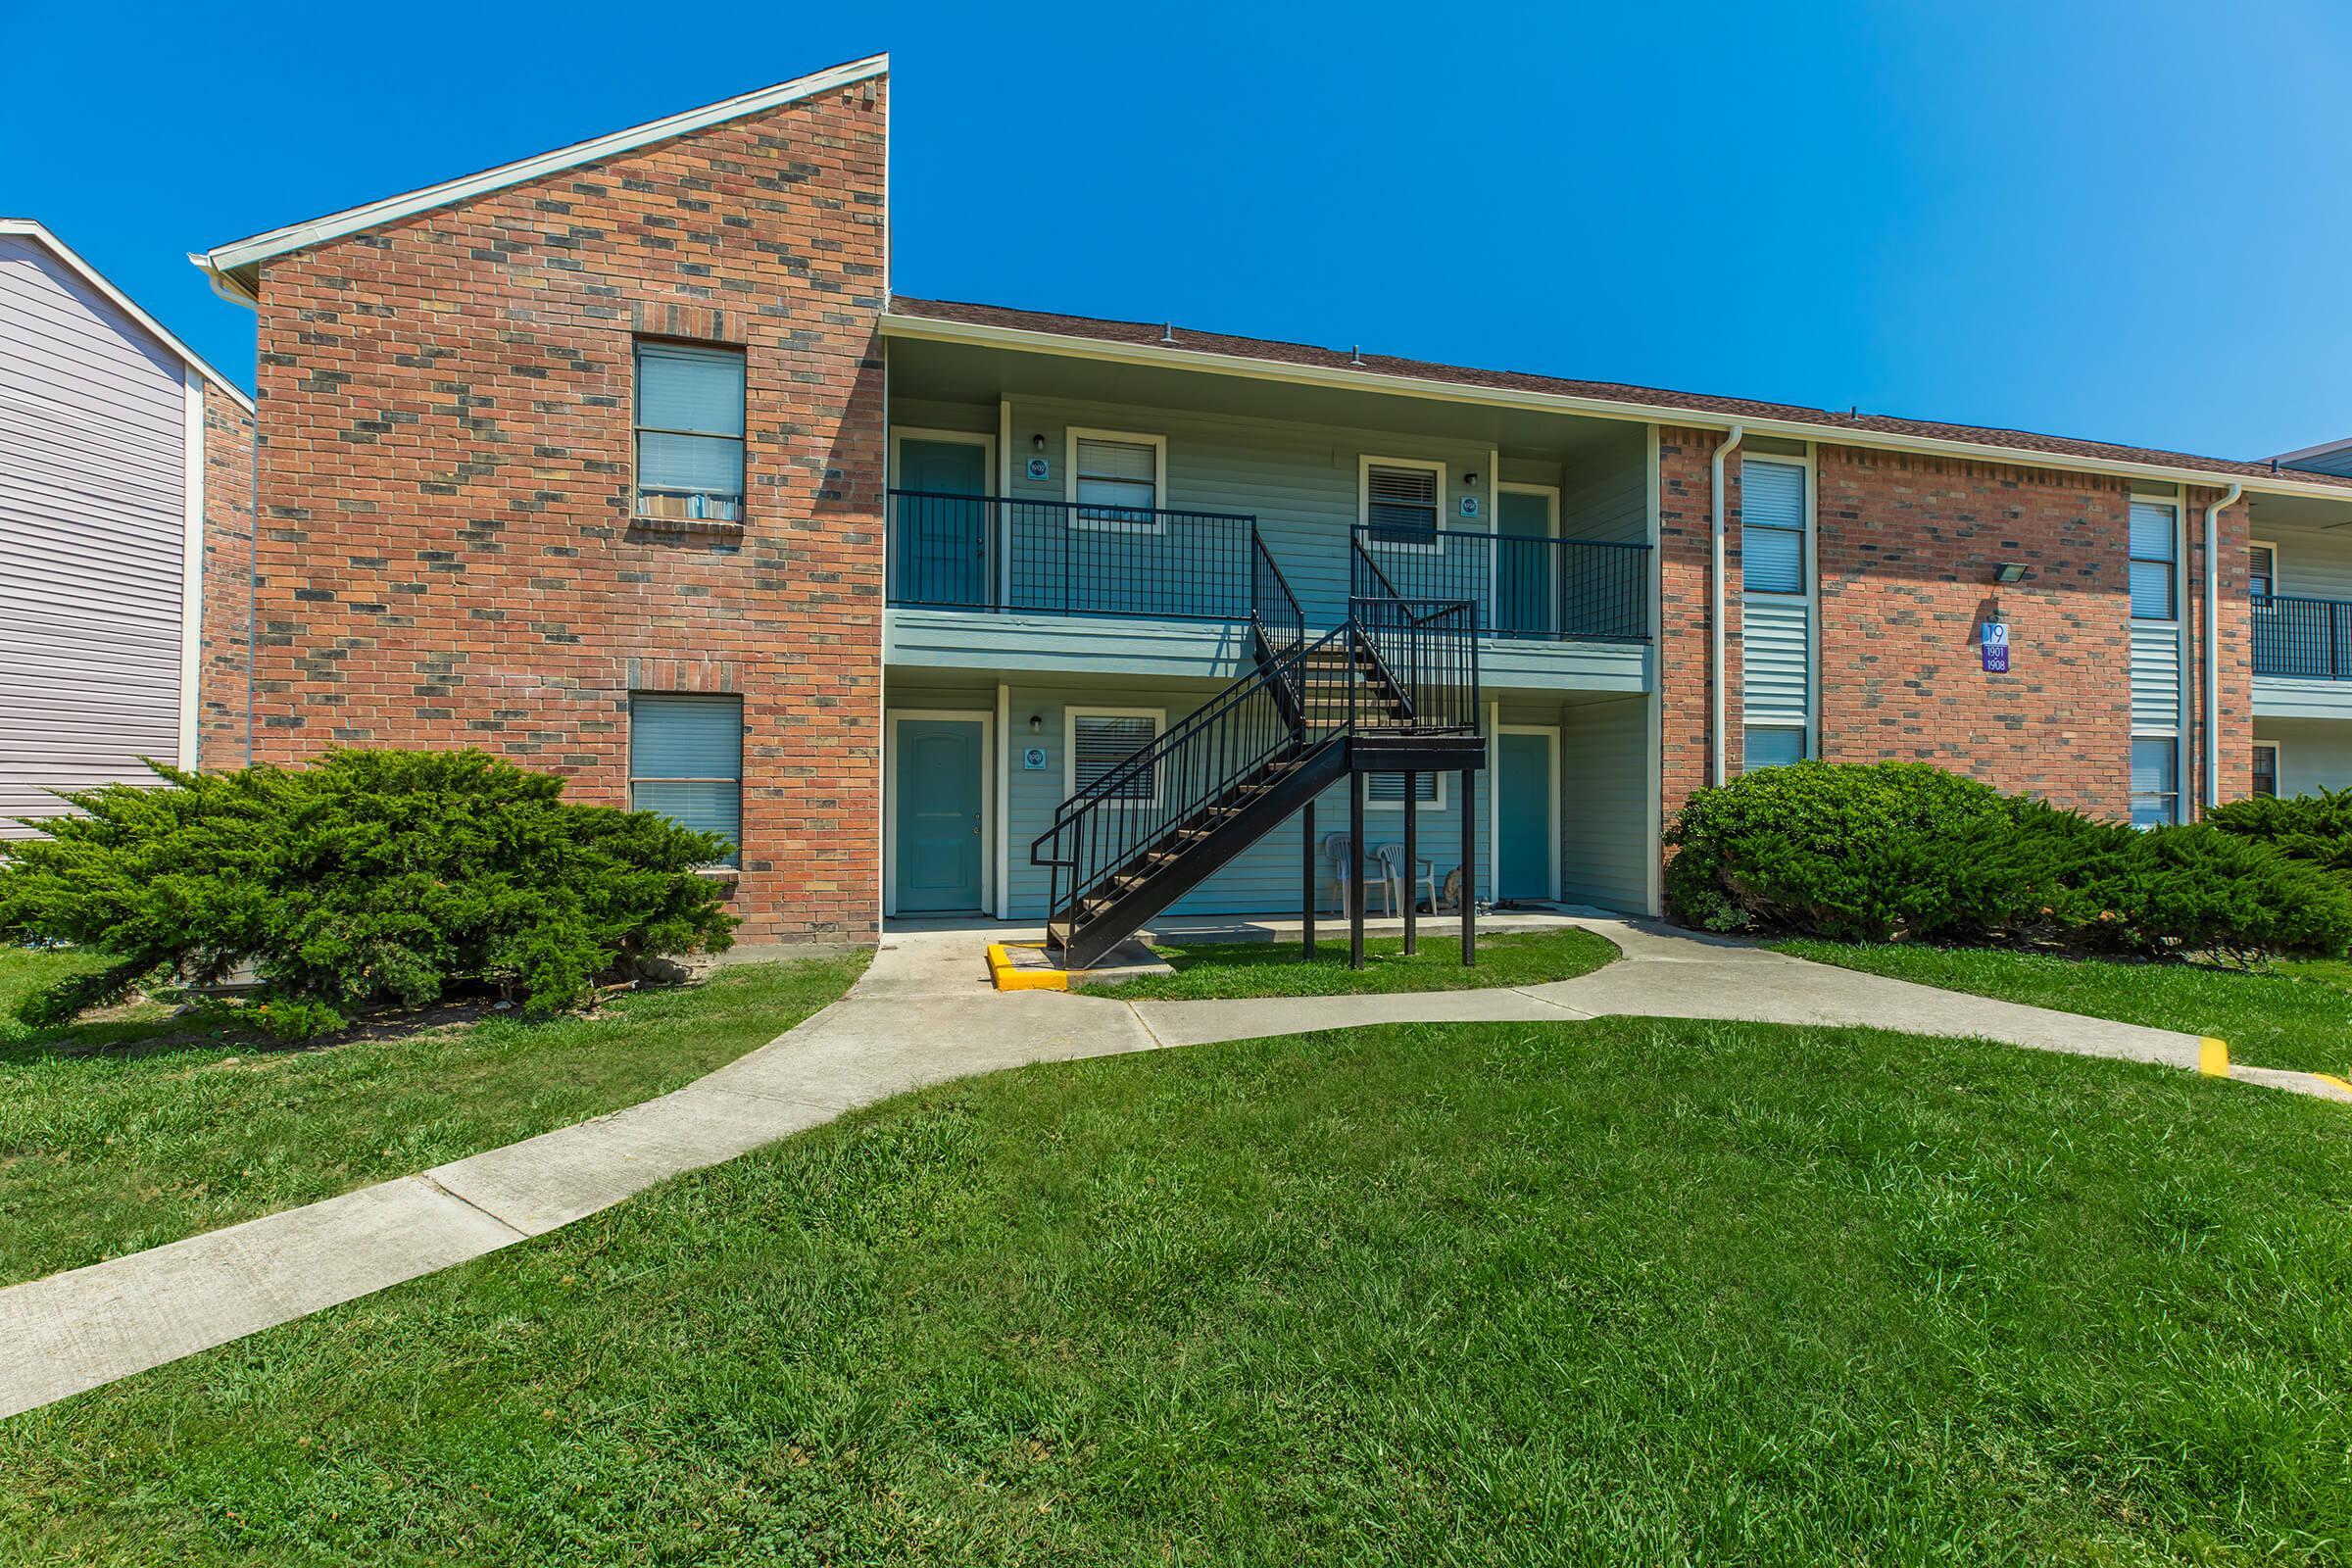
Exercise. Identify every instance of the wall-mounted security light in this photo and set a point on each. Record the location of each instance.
(1037, 443)
(2009, 571)
(1037, 724)
(1470, 480)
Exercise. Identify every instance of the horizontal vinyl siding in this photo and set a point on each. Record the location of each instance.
(2155, 675)
(2310, 564)
(1604, 804)
(1607, 493)
(2313, 754)
(1774, 651)
(92, 460)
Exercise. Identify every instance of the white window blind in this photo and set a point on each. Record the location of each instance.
(1772, 526)
(689, 432)
(2262, 571)
(1099, 742)
(1388, 789)
(1770, 745)
(2155, 782)
(686, 762)
(1400, 504)
(1118, 481)
(2153, 533)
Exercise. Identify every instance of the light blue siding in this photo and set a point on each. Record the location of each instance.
(1605, 806)
(2313, 754)
(2155, 675)
(1774, 649)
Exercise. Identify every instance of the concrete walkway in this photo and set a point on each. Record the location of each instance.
(922, 1014)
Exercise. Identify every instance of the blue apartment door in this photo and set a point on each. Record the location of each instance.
(937, 824)
(942, 553)
(1523, 564)
(1523, 815)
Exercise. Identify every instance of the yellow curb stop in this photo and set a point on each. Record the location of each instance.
(1010, 974)
(2213, 1057)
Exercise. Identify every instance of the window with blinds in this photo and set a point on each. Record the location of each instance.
(689, 432)
(1388, 789)
(2265, 768)
(2262, 571)
(2155, 780)
(1115, 483)
(1100, 744)
(1400, 504)
(2154, 547)
(686, 762)
(1763, 746)
(1772, 526)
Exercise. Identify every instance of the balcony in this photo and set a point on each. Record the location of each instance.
(2306, 639)
(989, 555)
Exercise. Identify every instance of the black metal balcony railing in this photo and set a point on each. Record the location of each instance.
(1068, 558)
(988, 552)
(2306, 637)
(1587, 590)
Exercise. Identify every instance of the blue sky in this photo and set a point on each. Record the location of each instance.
(2124, 222)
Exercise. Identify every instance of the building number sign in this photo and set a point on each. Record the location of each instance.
(1996, 648)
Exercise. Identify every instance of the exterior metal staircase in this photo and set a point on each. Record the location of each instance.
(1394, 689)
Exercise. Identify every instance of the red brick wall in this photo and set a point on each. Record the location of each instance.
(2233, 532)
(226, 583)
(1908, 546)
(447, 555)
(1686, 551)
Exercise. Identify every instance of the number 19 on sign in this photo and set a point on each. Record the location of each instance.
(1996, 648)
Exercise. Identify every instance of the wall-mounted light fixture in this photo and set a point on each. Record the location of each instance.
(1037, 724)
(1470, 480)
(2009, 571)
(1037, 443)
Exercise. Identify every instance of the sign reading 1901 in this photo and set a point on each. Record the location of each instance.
(1996, 648)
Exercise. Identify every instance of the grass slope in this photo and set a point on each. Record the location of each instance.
(1612, 1292)
(113, 1140)
(2299, 1015)
(1212, 969)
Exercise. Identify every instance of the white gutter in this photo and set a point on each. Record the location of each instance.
(2213, 646)
(1715, 639)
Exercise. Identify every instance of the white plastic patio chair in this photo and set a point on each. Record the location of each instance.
(1395, 885)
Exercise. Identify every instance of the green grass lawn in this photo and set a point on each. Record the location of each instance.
(117, 1136)
(1618, 1291)
(2298, 1016)
(1212, 969)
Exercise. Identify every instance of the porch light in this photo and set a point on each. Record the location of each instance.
(1470, 481)
(1037, 443)
(2009, 571)
(1037, 722)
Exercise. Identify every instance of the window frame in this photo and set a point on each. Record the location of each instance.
(2270, 747)
(1437, 803)
(1073, 436)
(1803, 530)
(638, 343)
(2131, 558)
(1802, 731)
(733, 862)
(2171, 741)
(2253, 545)
(1070, 716)
(1365, 462)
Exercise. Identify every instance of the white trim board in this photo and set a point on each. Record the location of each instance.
(234, 262)
(191, 572)
(890, 798)
(38, 234)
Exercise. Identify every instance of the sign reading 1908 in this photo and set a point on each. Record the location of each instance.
(1996, 648)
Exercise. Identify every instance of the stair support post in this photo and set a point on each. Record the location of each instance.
(1469, 868)
(1356, 868)
(1412, 866)
(1307, 882)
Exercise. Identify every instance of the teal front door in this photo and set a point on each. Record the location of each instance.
(1523, 815)
(937, 828)
(1523, 565)
(941, 553)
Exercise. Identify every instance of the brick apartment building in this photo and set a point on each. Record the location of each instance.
(626, 462)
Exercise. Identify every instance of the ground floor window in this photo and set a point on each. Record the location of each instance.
(2155, 780)
(686, 762)
(1771, 746)
(2265, 768)
(1101, 740)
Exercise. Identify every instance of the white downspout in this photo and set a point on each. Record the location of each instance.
(1715, 639)
(2212, 645)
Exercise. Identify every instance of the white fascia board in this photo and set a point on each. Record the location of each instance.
(2320, 451)
(38, 234)
(241, 256)
(933, 329)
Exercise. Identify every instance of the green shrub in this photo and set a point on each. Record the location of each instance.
(1897, 851)
(2317, 828)
(368, 879)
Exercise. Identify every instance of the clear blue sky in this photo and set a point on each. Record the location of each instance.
(2127, 222)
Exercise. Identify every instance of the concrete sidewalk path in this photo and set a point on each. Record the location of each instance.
(923, 1013)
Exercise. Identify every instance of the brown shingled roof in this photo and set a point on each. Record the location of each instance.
(1147, 335)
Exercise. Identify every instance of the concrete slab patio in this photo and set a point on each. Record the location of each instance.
(923, 1013)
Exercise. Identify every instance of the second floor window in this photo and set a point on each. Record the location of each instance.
(1115, 482)
(1772, 526)
(2262, 571)
(689, 432)
(2153, 528)
(1401, 503)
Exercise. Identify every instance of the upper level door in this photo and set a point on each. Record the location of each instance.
(1523, 564)
(941, 550)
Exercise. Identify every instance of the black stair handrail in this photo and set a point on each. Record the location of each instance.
(1426, 649)
(1275, 612)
